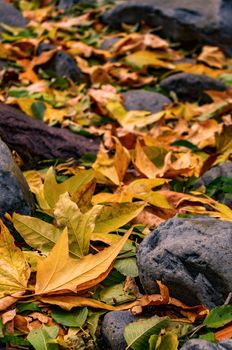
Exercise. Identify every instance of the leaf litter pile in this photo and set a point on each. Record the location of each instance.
(75, 259)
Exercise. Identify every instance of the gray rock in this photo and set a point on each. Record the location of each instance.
(67, 4)
(192, 87)
(186, 21)
(192, 256)
(3, 64)
(142, 100)
(108, 43)
(62, 65)
(224, 169)
(10, 15)
(113, 326)
(221, 170)
(15, 193)
(200, 344)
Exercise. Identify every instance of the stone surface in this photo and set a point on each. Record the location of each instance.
(67, 4)
(186, 21)
(34, 140)
(15, 193)
(109, 42)
(10, 15)
(198, 344)
(144, 100)
(192, 256)
(3, 64)
(221, 170)
(224, 169)
(192, 87)
(62, 65)
(113, 326)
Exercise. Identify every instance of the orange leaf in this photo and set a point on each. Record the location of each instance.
(225, 333)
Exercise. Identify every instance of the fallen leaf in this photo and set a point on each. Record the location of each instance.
(115, 215)
(69, 302)
(58, 272)
(143, 59)
(6, 302)
(40, 338)
(37, 233)
(8, 316)
(14, 270)
(80, 226)
(212, 56)
(225, 333)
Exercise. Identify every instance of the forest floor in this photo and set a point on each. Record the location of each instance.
(75, 258)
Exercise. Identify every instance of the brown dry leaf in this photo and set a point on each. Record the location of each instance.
(39, 316)
(148, 218)
(103, 95)
(6, 302)
(21, 323)
(155, 42)
(68, 302)
(38, 15)
(58, 272)
(8, 316)
(77, 48)
(191, 312)
(68, 22)
(129, 43)
(213, 56)
(220, 210)
(203, 133)
(128, 78)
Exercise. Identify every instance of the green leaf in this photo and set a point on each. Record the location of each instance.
(28, 307)
(127, 267)
(74, 318)
(39, 338)
(115, 215)
(14, 340)
(137, 334)
(115, 295)
(38, 109)
(187, 144)
(18, 93)
(80, 226)
(219, 316)
(113, 278)
(92, 321)
(209, 337)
